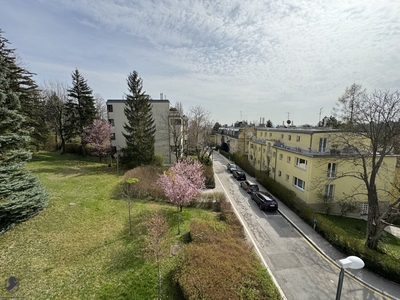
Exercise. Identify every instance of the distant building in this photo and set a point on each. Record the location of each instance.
(237, 138)
(170, 124)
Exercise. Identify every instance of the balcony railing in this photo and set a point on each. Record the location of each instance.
(331, 174)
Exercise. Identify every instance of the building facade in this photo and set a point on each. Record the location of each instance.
(311, 163)
(170, 127)
(237, 138)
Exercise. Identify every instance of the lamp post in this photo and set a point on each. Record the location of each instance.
(351, 262)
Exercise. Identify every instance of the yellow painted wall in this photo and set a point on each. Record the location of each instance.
(305, 144)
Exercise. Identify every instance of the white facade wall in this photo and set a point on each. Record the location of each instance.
(160, 113)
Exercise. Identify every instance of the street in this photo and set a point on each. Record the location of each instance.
(300, 271)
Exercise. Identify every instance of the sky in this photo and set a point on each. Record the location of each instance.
(240, 60)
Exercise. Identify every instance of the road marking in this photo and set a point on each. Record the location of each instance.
(337, 267)
(252, 240)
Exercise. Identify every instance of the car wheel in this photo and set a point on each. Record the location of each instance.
(260, 206)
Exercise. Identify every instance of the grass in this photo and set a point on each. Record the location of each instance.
(356, 229)
(79, 247)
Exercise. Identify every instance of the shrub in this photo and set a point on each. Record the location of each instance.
(209, 201)
(234, 276)
(147, 185)
(73, 148)
(241, 160)
(158, 160)
(209, 174)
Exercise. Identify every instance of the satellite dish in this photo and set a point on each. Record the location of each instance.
(288, 121)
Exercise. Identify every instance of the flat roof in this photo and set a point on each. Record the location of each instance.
(124, 100)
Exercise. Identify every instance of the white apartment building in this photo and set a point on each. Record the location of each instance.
(169, 126)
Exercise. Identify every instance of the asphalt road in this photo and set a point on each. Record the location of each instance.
(299, 270)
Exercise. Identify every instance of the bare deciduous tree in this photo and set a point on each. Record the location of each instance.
(155, 249)
(55, 96)
(372, 133)
(173, 129)
(100, 106)
(199, 131)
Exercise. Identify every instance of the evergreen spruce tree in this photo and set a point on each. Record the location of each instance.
(80, 108)
(31, 104)
(21, 194)
(140, 129)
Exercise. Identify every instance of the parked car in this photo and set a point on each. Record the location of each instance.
(239, 175)
(231, 167)
(249, 186)
(264, 202)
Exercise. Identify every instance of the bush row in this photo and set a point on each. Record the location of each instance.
(219, 264)
(377, 262)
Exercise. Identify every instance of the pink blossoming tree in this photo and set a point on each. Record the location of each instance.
(98, 135)
(182, 182)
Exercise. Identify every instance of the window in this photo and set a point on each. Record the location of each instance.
(329, 190)
(270, 134)
(301, 163)
(111, 121)
(289, 137)
(289, 159)
(273, 170)
(282, 136)
(269, 147)
(279, 173)
(298, 138)
(176, 121)
(274, 154)
(331, 170)
(112, 136)
(287, 177)
(109, 108)
(299, 183)
(251, 157)
(280, 156)
(323, 142)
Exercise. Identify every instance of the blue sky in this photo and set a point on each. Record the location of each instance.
(238, 59)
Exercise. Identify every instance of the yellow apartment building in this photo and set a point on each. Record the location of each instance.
(312, 164)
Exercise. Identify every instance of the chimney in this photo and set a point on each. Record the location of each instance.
(161, 96)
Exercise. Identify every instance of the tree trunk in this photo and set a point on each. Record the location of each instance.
(62, 144)
(375, 234)
(159, 280)
(56, 140)
(130, 217)
(179, 223)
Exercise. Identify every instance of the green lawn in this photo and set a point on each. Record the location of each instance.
(356, 229)
(84, 251)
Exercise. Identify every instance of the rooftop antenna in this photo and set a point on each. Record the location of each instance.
(241, 117)
(320, 111)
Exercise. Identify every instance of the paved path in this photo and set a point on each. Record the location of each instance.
(289, 280)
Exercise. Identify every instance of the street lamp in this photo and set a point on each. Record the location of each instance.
(351, 262)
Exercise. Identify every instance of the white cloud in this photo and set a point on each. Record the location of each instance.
(263, 59)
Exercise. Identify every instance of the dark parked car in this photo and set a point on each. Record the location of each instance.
(231, 167)
(264, 202)
(249, 186)
(239, 175)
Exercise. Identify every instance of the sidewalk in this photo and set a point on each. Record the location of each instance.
(374, 282)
